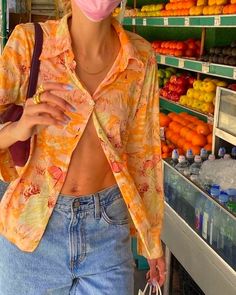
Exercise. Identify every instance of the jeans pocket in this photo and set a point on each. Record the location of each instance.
(116, 213)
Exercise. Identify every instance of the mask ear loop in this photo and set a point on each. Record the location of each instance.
(122, 11)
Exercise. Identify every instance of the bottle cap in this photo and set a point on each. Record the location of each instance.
(203, 152)
(197, 159)
(189, 153)
(231, 192)
(175, 154)
(181, 159)
(223, 197)
(215, 186)
(211, 157)
(233, 152)
(227, 157)
(221, 151)
(214, 192)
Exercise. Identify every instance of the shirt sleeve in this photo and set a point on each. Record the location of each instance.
(14, 76)
(144, 160)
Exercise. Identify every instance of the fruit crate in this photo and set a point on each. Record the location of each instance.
(212, 222)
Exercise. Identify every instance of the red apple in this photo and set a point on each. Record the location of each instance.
(173, 79)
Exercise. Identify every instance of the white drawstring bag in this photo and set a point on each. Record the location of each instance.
(158, 290)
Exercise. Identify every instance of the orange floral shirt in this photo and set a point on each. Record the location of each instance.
(125, 112)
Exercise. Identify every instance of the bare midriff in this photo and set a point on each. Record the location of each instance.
(89, 170)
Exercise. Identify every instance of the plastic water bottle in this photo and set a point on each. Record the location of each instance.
(182, 165)
(196, 166)
(204, 154)
(233, 153)
(190, 156)
(215, 191)
(223, 198)
(227, 157)
(174, 158)
(221, 152)
(199, 214)
(207, 222)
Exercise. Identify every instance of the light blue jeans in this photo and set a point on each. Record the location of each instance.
(85, 250)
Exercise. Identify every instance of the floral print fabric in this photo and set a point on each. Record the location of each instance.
(125, 112)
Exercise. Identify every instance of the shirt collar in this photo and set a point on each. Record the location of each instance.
(60, 42)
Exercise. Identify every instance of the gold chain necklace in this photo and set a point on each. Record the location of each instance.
(94, 73)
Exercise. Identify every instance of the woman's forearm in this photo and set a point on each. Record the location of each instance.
(7, 135)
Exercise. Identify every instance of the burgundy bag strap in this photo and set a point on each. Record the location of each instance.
(35, 63)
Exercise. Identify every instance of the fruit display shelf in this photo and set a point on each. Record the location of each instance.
(218, 70)
(173, 106)
(227, 21)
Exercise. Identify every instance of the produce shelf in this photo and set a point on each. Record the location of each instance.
(178, 108)
(218, 70)
(223, 21)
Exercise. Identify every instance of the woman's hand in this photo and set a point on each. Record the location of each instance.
(157, 272)
(51, 111)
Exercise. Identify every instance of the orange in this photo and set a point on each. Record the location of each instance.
(174, 138)
(164, 120)
(181, 141)
(165, 155)
(171, 146)
(192, 126)
(192, 119)
(190, 135)
(184, 131)
(199, 140)
(165, 149)
(177, 128)
(208, 147)
(183, 114)
(209, 138)
(203, 129)
(168, 134)
(173, 125)
(196, 149)
(171, 115)
(187, 146)
(180, 151)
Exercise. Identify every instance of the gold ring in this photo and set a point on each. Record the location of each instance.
(36, 97)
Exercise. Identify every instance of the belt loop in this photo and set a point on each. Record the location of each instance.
(97, 206)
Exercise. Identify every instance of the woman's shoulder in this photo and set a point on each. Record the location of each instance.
(26, 31)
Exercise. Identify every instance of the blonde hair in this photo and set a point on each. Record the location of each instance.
(64, 7)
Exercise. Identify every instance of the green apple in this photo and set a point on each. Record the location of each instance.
(161, 82)
(172, 70)
(165, 81)
(161, 73)
(168, 74)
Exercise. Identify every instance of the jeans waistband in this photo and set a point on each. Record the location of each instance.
(91, 201)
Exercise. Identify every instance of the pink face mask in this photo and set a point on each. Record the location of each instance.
(97, 10)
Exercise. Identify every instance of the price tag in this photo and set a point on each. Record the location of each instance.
(144, 21)
(217, 20)
(234, 73)
(165, 21)
(163, 59)
(133, 21)
(186, 21)
(205, 68)
(181, 63)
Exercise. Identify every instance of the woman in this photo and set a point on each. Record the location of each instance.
(95, 158)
